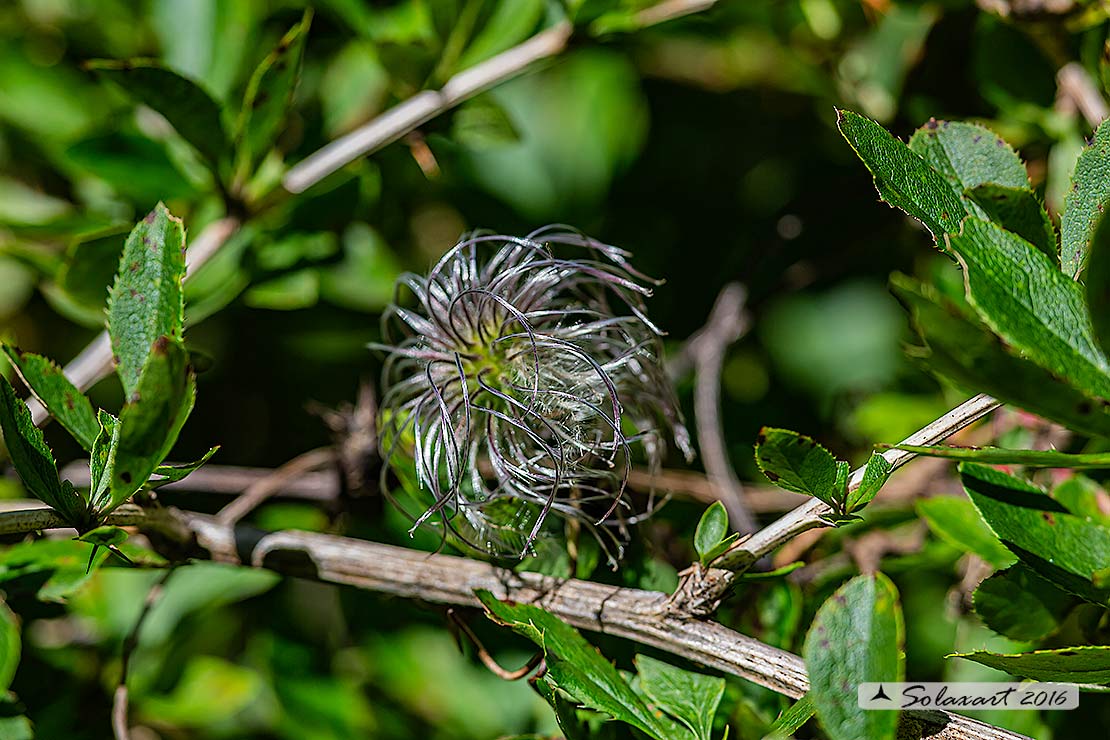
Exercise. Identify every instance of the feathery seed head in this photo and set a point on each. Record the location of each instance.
(521, 383)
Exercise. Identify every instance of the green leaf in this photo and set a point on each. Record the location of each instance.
(691, 698)
(60, 397)
(104, 536)
(483, 123)
(1098, 283)
(146, 301)
(32, 458)
(968, 155)
(134, 166)
(102, 460)
(856, 637)
(10, 645)
(151, 419)
(874, 477)
(797, 463)
(1088, 196)
(188, 108)
(566, 714)
(999, 456)
(1031, 304)
(578, 668)
(790, 721)
(64, 565)
(1083, 497)
(269, 95)
(510, 22)
(1018, 603)
(1059, 546)
(956, 521)
(179, 471)
(1019, 211)
(963, 350)
(90, 267)
(711, 532)
(903, 178)
(1084, 664)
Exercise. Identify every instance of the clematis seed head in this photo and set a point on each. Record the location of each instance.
(523, 378)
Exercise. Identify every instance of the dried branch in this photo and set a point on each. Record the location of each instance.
(121, 727)
(705, 351)
(645, 617)
(1077, 91)
(262, 489)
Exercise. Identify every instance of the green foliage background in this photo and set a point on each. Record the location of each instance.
(707, 146)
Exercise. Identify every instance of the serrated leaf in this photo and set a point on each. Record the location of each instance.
(968, 155)
(187, 106)
(857, 636)
(903, 178)
(69, 406)
(874, 477)
(1065, 549)
(797, 463)
(956, 521)
(1031, 304)
(269, 95)
(963, 350)
(33, 460)
(1000, 456)
(1084, 664)
(579, 669)
(104, 536)
(1018, 603)
(691, 698)
(1017, 210)
(1085, 202)
(792, 720)
(147, 301)
(711, 531)
(102, 460)
(179, 471)
(151, 420)
(10, 647)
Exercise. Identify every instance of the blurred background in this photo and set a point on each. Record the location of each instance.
(707, 146)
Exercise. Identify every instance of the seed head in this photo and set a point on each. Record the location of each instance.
(521, 383)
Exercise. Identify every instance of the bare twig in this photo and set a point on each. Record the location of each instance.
(39, 516)
(671, 9)
(120, 700)
(488, 660)
(705, 350)
(642, 616)
(424, 106)
(271, 484)
(1077, 91)
(95, 361)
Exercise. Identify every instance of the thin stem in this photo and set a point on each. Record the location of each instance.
(808, 515)
(262, 489)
